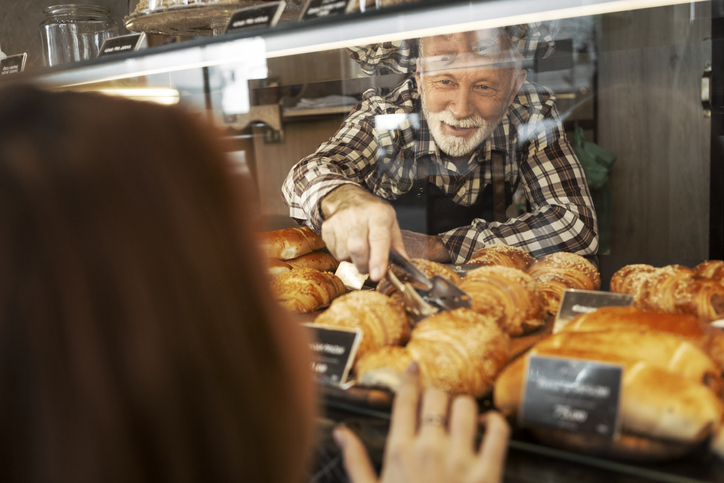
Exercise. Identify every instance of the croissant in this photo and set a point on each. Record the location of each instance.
(509, 295)
(306, 290)
(383, 321)
(504, 255)
(676, 289)
(290, 243)
(458, 351)
(655, 403)
(713, 269)
(684, 326)
(559, 271)
(628, 278)
(427, 267)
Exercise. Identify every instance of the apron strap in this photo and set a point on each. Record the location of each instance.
(498, 175)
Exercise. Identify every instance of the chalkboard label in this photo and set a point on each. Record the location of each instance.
(334, 349)
(121, 44)
(13, 64)
(258, 16)
(578, 302)
(325, 8)
(572, 394)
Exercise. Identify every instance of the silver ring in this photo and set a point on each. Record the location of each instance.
(434, 419)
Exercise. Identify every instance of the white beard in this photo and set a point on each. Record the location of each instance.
(457, 146)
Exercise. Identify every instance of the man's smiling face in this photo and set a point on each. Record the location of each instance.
(466, 83)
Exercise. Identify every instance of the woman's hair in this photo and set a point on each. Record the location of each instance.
(138, 337)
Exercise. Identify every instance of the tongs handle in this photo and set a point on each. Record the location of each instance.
(410, 268)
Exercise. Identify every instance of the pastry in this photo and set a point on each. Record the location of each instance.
(383, 321)
(557, 272)
(507, 294)
(504, 255)
(306, 290)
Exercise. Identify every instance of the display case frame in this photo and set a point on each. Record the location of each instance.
(396, 23)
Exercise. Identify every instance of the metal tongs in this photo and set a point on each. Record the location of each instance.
(438, 293)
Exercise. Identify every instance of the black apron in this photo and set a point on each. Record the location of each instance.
(426, 209)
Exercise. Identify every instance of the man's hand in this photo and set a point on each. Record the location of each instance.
(429, 247)
(361, 228)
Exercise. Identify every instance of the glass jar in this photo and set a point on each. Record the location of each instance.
(75, 32)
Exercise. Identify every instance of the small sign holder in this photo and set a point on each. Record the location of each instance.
(325, 8)
(572, 394)
(267, 15)
(334, 349)
(123, 43)
(13, 64)
(576, 302)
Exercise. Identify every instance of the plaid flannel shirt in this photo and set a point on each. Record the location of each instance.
(385, 162)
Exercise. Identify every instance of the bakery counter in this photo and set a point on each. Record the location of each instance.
(527, 462)
(367, 412)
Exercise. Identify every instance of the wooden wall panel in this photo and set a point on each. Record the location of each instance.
(273, 161)
(650, 115)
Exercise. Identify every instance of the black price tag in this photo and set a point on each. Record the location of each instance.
(259, 16)
(334, 349)
(123, 43)
(325, 8)
(13, 64)
(572, 394)
(577, 302)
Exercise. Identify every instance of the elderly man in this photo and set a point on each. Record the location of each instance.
(483, 130)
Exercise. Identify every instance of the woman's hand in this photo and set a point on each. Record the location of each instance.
(435, 445)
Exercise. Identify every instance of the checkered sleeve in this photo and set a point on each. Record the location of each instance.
(562, 218)
(347, 158)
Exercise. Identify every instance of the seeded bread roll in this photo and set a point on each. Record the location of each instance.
(628, 278)
(290, 242)
(507, 294)
(306, 290)
(459, 351)
(503, 255)
(559, 271)
(383, 321)
(321, 261)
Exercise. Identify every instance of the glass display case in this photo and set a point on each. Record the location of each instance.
(640, 81)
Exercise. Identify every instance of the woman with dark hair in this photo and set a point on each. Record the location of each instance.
(139, 341)
(139, 338)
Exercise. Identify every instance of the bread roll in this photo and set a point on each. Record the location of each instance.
(459, 351)
(306, 290)
(655, 403)
(557, 272)
(383, 321)
(277, 267)
(290, 242)
(509, 295)
(658, 349)
(322, 261)
(628, 278)
(687, 327)
(503, 255)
